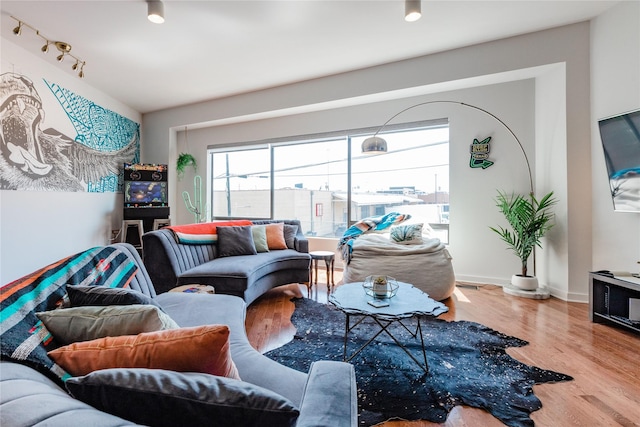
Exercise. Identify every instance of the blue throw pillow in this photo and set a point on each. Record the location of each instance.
(157, 397)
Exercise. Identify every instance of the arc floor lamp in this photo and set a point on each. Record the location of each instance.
(377, 145)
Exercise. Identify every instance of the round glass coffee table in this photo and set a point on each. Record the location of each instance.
(409, 304)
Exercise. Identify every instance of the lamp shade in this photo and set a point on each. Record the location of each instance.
(155, 11)
(374, 145)
(412, 10)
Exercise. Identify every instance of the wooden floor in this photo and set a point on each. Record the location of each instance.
(604, 360)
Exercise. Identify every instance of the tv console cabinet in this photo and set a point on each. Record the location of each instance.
(609, 299)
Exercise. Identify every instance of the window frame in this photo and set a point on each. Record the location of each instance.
(273, 143)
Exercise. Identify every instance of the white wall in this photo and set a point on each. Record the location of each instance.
(472, 190)
(37, 228)
(555, 65)
(615, 89)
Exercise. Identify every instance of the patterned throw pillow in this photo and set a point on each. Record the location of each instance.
(408, 234)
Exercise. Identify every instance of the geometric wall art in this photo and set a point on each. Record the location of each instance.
(40, 158)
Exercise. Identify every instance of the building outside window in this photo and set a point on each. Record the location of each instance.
(328, 184)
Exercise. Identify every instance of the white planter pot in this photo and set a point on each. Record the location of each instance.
(527, 283)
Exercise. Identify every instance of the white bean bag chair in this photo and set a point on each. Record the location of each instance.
(427, 266)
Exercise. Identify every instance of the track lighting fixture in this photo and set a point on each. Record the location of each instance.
(412, 10)
(63, 47)
(155, 11)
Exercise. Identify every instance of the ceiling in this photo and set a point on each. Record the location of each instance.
(212, 49)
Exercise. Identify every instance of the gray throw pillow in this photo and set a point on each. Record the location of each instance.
(290, 235)
(80, 296)
(235, 240)
(168, 398)
(69, 325)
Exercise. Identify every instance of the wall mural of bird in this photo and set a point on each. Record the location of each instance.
(48, 160)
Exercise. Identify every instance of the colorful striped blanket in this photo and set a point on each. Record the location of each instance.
(23, 337)
(203, 233)
(377, 223)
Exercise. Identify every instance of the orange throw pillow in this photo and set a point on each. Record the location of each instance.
(275, 236)
(196, 349)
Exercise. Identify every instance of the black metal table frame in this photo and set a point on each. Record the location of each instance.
(384, 322)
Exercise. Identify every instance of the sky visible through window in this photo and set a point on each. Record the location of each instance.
(418, 159)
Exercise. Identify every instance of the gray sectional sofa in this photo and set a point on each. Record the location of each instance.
(325, 396)
(171, 263)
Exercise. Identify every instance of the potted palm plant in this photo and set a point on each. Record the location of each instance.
(529, 219)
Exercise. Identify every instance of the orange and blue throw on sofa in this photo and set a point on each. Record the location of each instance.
(23, 337)
(204, 233)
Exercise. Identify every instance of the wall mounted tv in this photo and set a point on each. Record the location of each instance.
(620, 137)
(145, 185)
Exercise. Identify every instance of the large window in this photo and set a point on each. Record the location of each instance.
(241, 183)
(328, 184)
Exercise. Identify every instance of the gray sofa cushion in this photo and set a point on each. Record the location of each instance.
(168, 398)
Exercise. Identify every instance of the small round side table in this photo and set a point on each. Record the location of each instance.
(329, 260)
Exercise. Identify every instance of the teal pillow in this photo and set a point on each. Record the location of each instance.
(158, 397)
(259, 233)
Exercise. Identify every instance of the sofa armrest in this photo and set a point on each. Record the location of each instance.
(330, 396)
(301, 243)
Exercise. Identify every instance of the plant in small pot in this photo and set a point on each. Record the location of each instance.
(529, 220)
(185, 160)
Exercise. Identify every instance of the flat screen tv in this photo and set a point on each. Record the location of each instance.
(145, 185)
(145, 193)
(620, 137)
